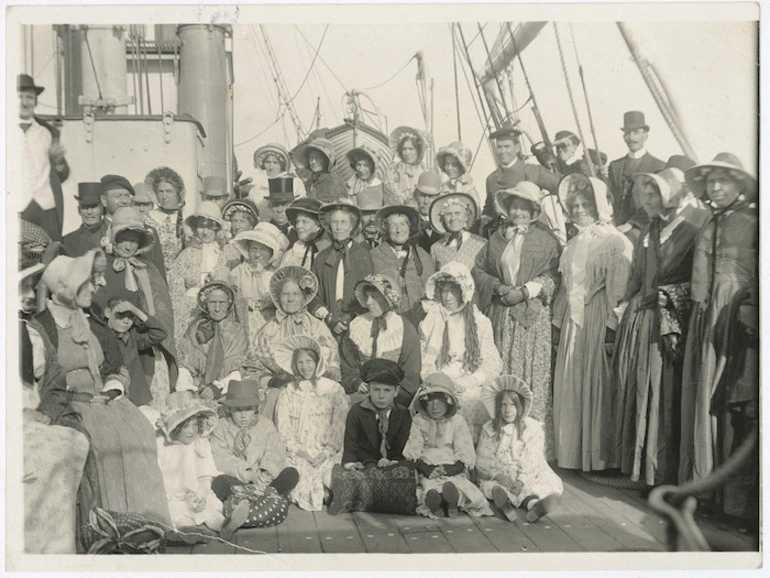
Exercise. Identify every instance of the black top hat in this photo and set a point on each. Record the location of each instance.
(25, 82)
(88, 194)
(281, 190)
(382, 371)
(632, 120)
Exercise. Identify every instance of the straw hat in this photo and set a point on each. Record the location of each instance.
(402, 132)
(207, 210)
(305, 279)
(240, 205)
(670, 183)
(266, 234)
(491, 388)
(443, 202)
(524, 190)
(65, 275)
(697, 176)
(435, 383)
(284, 352)
(204, 292)
(458, 151)
(383, 284)
(181, 406)
(577, 183)
(322, 145)
(275, 149)
(130, 219)
(456, 272)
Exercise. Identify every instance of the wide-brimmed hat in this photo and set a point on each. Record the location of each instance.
(491, 389)
(403, 132)
(273, 148)
(670, 184)
(411, 213)
(208, 210)
(565, 136)
(266, 234)
(204, 292)
(370, 200)
(240, 205)
(115, 182)
(305, 279)
(436, 383)
(244, 393)
(65, 275)
(457, 150)
(383, 284)
(303, 205)
(168, 175)
(281, 190)
(88, 194)
(442, 203)
(130, 219)
(697, 176)
(322, 145)
(214, 186)
(25, 82)
(344, 204)
(457, 273)
(429, 183)
(574, 183)
(362, 152)
(181, 406)
(284, 352)
(524, 190)
(380, 370)
(632, 120)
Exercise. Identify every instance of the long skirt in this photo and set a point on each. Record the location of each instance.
(309, 491)
(123, 442)
(54, 458)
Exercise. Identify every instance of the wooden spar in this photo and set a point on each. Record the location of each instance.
(585, 94)
(658, 90)
(491, 100)
(475, 77)
(525, 33)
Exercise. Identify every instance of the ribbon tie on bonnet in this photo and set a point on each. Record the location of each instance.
(136, 277)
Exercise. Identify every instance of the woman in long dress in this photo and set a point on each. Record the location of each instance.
(594, 267)
(725, 264)
(517, 274)
(647, 370)
(409, 146)
(169, 191)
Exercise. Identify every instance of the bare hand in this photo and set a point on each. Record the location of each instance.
(57, 151)
(517, 486)
(318, 460)
(663, 300)
(363, 388)
(437, 473)
(340, 328)
(354, 466)
(99, 399)
(385, 462)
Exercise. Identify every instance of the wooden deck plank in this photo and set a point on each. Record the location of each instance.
(299, 534)
(259, 539)
(548, 536)
(505, 536)
(215, 546)
(583, 530)
(380, 533)
(464, 535)
(338, 534)
(422, 535)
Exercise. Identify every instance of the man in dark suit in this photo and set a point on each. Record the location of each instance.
(638, 160)
(426, 191)
(89, 234)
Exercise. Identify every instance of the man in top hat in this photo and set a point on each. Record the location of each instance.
(91, 211)
(43, 166)
(115, 192)
(369, 204)
(280, 197)
(427, 189)
(512, 168)
(215, 189)
(623, 170)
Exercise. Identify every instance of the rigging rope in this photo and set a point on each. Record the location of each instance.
(586, 156)
(408, 62)
(321, 58)
(585, 93)
(271, 125)
(312, 63)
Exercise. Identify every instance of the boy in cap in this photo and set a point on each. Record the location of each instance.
(377, 428)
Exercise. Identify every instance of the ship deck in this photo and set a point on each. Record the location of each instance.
(592, 518)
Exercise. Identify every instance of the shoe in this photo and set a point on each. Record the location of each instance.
(501, 500)
(543, 507)
(433, 502)
(237, 518)
(451, 497)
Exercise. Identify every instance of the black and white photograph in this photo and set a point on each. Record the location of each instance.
(338, 283)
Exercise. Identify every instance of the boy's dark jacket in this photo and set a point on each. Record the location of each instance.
(362, 443)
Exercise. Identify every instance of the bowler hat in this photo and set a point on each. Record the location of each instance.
(632, 120)
(88, 194)
(25, 82)
(381, 371)
(281, 190)
(429, 183)
(244, 393)
(303, 205)
(112, 182)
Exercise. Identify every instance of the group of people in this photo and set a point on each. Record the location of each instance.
(276, 346)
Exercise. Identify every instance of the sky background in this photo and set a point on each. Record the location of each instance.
(710, 68)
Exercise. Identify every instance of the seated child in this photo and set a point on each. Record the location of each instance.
(511, 453)
(136, 332)
(188, 467)
(310, 416)
(247, 448)
(440, 443)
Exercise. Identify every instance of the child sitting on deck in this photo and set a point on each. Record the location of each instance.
(310, 416)
(440, 443)
(511, 453)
